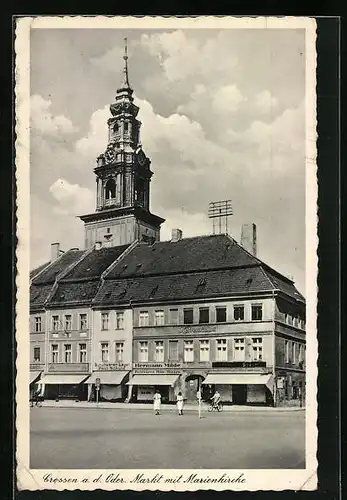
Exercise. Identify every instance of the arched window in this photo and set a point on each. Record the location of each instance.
(110, 189)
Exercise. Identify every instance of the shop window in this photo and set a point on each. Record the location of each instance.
(173, 350)
(143, 351)
(158, 318)
(104, 352)
(221, 314)
(173, 316)
(82, 353)
(55, 323)
(55, 352)
(239, 349)
(83, 321)
(104, 321)
(119, 320)
(119, 352)
(257, 312)
(204, 350)
(159, 351)
(38, 324)
(257, 348)
(188, 351)
(221, 350)
(68, 322)
(204, 315)
(239, 313)
(143, 318)
(67, 353)
(37, 355)
(188, 316)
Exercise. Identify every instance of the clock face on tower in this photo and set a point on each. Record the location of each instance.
(109, 155)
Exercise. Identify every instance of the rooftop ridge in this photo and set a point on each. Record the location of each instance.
(189, 271)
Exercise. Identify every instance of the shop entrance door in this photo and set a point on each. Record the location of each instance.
(239, 394)
(193, 383)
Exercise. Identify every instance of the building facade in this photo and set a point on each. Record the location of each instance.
(131, 314)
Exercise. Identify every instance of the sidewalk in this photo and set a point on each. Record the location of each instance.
(164, 407)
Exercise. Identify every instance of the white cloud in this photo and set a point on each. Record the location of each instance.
(183, 56)
(72, 198)
(227, 99)
(266, 102)
(44, 122)
(191, 224)
(96, 140)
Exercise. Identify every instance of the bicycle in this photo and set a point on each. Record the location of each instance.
(217, 407)
(36, 401)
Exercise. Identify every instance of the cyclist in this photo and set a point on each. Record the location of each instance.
(216, 399)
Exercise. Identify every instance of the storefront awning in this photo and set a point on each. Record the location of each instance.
(107, 377)
(63, 379)
(239, 378)
(153, 380)
(33, 376)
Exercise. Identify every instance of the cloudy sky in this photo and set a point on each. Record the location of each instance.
(222, 116)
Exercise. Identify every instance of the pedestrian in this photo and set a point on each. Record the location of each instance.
(180, 403)
(157, 401)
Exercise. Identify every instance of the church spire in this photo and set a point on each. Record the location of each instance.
(125, 70)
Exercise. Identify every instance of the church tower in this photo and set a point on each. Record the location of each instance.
(123, 177)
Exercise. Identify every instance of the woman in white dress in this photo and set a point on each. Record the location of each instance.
(157, 401)
(180, 403)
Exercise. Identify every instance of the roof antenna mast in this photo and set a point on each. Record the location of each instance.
(220, 210)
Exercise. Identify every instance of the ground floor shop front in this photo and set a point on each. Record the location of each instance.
(99, 386)
(234, 388)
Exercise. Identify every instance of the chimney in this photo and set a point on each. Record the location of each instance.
(55, 251)
(176, 234)
(249, 238)
(98, 245)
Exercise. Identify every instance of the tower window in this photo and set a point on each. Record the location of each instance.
(126, 126)
(110, 189)
(116, 127)
(108, 230)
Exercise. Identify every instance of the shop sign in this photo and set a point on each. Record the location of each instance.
(156, 365)
(156, 371)
(112, 366)
(238, 364)
(197, 329)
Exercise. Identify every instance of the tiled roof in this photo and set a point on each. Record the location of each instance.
(35, 272)
(57, 267)
(284, 285)
(95, 263)
(190, 268)
(183, 286)
(78, 292)
(39, 294)
(186, 255)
